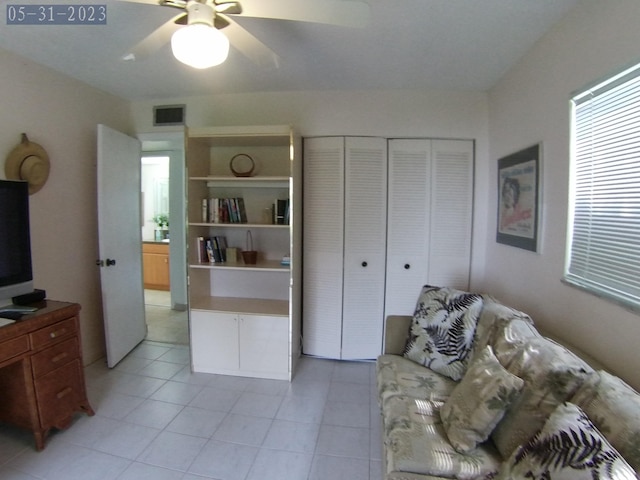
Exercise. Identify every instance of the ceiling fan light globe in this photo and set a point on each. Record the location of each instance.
(200, 46)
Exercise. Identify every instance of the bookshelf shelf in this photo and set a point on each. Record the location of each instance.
(238, 225)
(268, 265)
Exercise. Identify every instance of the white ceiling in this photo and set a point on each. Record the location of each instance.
(410, 44)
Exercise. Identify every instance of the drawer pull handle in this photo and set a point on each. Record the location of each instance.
(59, 357)
(64, 392)
(58, 333)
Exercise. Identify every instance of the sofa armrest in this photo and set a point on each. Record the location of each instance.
(395, 333)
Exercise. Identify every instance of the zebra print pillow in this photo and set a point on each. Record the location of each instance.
(442, 330)
(569, 447)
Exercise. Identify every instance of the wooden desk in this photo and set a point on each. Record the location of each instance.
(41, 375)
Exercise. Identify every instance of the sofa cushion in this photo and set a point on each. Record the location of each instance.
(509, 337)
(551, 375)
(396, 375)
(478, 402)
(614, 408)
(493, 316)
(441, 333)
(568, 447)
(416, 442)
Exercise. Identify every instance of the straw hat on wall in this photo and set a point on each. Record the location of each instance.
(29, 162)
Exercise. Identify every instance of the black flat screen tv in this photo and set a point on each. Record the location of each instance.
(16, 276)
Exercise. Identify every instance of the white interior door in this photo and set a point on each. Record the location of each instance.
(120, 242)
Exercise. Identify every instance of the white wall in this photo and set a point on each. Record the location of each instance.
(529, 105)
(382, 113)
(61, 115)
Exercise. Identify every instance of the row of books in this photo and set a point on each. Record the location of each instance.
(212, 249)
(224, 210)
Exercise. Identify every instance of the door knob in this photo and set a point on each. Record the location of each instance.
(364, 264)
(99, 263)
(110, 262)
(407, 266)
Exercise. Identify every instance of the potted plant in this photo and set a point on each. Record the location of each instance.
(162, 226)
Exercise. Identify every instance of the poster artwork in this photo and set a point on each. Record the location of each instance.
(518, 199)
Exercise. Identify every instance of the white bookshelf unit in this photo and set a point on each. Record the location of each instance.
(245, 319)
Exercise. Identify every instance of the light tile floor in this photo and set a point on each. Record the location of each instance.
(156, 420)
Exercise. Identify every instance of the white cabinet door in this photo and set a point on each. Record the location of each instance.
(323, 237)
(407, 223)
(364, 247)
(214, 342)
(264, 345)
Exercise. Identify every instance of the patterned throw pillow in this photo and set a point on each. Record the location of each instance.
(478, 402)
(441, 333)
(568, 447)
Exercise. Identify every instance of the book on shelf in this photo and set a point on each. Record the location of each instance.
(281, 212)
(224, 210)
(212, 249)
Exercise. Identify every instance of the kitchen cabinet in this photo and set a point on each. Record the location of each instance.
(155, 266)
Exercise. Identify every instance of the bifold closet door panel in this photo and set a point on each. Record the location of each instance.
(451, 213)
(323, 240)
(364, 247)
(407, 223)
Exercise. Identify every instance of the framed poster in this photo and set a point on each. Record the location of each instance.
(519, 198)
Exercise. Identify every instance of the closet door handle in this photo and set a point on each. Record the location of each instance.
(364, 264)
(407, 266)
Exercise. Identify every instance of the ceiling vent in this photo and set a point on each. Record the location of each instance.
(164, 115)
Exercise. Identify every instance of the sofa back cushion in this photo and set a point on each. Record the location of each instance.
(494, 316)
(613, 407)
(442, 329)
(510, 337)
(551, 374)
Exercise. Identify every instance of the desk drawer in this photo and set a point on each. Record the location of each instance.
(13, 348)
(59, 393)
(53, 333)
(55, 356)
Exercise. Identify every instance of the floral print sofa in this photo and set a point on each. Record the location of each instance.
(468, 388)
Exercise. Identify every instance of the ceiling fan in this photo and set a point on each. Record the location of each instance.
(200, 36)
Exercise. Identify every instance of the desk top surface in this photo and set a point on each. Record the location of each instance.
(49, 311)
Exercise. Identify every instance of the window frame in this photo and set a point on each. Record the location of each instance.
(586, 265)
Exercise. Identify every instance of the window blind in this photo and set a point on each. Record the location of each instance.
(604, 224)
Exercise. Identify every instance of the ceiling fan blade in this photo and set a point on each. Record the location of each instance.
(146, 2)
(219, 22)
(230, 8)
(154, 41)
(345, 13)
(250, 46)
(182, 4)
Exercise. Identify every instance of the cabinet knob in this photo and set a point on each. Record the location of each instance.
(407, 266)
(364, 264)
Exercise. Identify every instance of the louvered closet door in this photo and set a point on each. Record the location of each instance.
(364, 247)
(451, 213)
(323, 243)
(407, 223)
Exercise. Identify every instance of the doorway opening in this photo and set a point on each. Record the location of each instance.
(166, 319)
